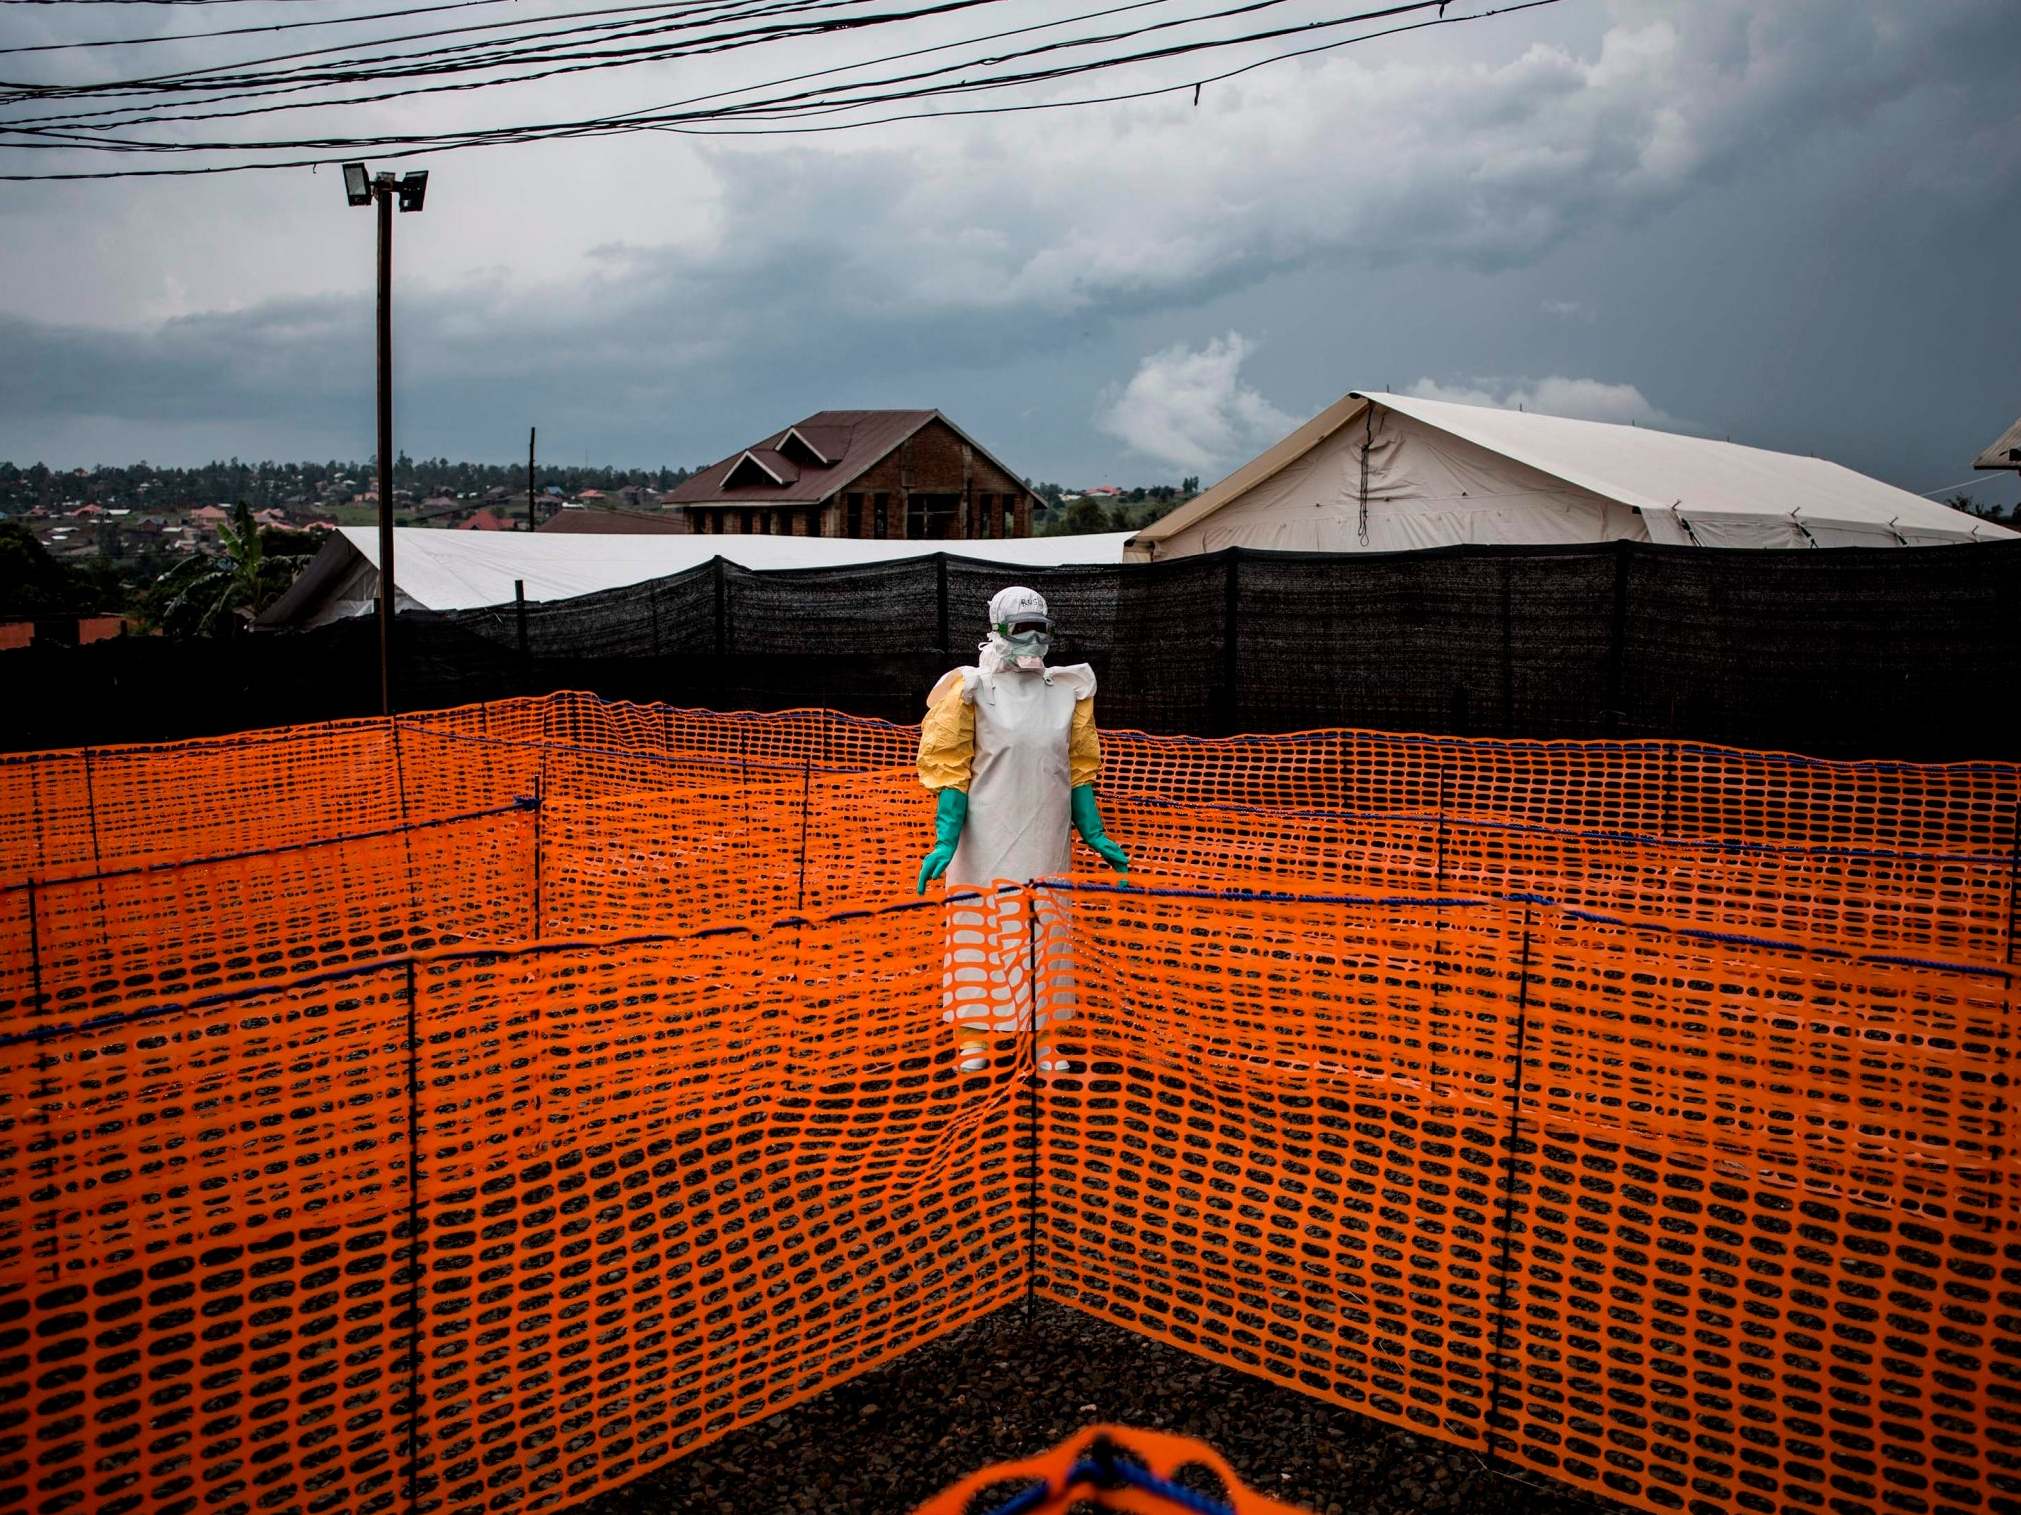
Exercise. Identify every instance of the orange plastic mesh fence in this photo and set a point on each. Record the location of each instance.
(474, 1112)
(1691, 1223)
(109, 943)
(1956, 906)
(660, 1189)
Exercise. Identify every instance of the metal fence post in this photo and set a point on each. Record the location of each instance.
(97, 857)
(806, 805)
(414, 1251)
(539, 836)
(1231, 668)
(940, 594)
(2014, 883)
(1032, 1103)
(44, 1060)
(1502, 1304)
(1508, 647)
(1617, 642)
(722, 585)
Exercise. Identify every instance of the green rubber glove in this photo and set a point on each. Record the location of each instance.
(947, 823)
(1088, 821)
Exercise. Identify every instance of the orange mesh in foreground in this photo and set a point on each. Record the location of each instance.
(1686, 1222)
(1119, 1468)
(659, 1189)
(472, 1113)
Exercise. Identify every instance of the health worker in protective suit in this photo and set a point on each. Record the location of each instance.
(1010, 750)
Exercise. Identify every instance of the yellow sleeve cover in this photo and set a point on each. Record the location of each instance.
(947, 741)
(1084, 746)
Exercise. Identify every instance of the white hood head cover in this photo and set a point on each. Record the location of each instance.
(1007, 607)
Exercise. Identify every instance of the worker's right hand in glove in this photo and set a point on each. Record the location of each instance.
(948, 818)
(1088, 821)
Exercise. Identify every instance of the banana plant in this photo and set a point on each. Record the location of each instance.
(209, 595)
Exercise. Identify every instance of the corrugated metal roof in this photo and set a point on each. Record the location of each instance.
(615, 523)
(460, 570)
(855, 439)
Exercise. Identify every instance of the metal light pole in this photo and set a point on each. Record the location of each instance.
(361, 188)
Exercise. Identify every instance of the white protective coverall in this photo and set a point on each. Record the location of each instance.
(1027, 754)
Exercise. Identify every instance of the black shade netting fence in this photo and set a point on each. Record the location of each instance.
(1847, 652)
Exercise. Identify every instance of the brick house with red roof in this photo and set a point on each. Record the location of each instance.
(871, 474)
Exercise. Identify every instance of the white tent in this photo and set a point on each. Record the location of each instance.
(436, 569)
(1383, 473)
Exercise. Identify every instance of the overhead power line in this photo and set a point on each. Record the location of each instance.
(240, 31)
(667, 15)
(42, 123)
(825, 103)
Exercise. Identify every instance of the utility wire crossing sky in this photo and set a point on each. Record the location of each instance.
(849, 96)
(1116, 242)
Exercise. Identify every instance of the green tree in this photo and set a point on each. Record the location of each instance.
(1082, 517)
(1990, 511)
(33, 583)
(209, 596)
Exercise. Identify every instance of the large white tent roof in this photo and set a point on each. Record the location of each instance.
(1661, 470)
(437, 569)
(1537, 468)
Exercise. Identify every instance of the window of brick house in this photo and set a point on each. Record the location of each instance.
(931, 516)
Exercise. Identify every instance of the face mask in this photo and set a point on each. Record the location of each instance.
(1027, 644)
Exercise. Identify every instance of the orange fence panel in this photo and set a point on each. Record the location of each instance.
(1277, 1141)
(475, 1110)
(1765, 1249)
(662, 1188)
(204, 1254)
(1689, 1220)
(1953, 906)
(103, 944)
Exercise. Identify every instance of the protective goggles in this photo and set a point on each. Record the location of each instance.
(1025, 625)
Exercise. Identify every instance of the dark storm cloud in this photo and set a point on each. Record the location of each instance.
(1692, 183)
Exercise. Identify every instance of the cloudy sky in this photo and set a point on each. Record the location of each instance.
(1790, 222)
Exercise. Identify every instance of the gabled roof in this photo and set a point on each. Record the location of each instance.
(758, 467)
(1638, 466)
(2005, 453)
(811, 459)
(1266, 464)
(808, 446)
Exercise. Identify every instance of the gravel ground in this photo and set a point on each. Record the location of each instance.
(995, 1390)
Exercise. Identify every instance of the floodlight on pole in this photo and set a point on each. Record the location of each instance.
(362, 188)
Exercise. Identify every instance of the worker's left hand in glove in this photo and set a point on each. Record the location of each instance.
(948, 819)
(1088, 821)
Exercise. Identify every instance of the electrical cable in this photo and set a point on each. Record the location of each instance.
(243, 31)
(712, 44)
(42, 125)
(1132, 5)
(180, 81)
(722, 119)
